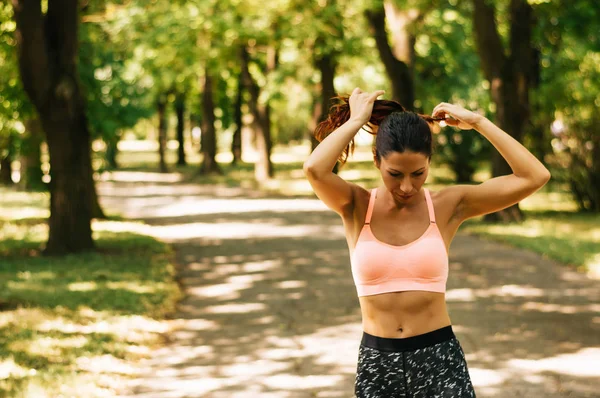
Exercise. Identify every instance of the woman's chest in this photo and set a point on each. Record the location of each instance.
(402, 231)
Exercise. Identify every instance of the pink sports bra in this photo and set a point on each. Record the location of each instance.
(378, 267)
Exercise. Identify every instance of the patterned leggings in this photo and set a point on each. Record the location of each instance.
(429, 365)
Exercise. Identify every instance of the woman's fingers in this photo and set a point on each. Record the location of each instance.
(370, 96)
(439, 110)
(376, 94)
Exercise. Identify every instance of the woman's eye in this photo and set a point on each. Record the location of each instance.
(397, 175)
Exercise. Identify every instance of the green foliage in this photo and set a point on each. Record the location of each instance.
(14, 104)
(447, 70)
(569, 95)
(116, 96)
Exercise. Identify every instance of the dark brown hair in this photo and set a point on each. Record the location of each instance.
(399, 129)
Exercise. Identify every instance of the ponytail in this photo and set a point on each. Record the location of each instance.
(339, 114)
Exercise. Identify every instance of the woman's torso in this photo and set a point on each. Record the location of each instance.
(405, 313)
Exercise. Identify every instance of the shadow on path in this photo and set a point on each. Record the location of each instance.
(271, 310)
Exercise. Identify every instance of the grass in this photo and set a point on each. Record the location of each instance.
(568, 237)
(77, 325)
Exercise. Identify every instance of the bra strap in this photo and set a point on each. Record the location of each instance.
(371, 205)
(429, 205)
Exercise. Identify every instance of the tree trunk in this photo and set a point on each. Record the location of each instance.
(236, 142)
(464, 172)
(594, 173)
(326, 64)
(180, 111)
(31, 155)
(314, 121)
(97, 211)
(510, 78)
(112, 150)
(398, 61)
(263, 169)
(161, 106)
(47, 50)
(6, 158)
(209, 135)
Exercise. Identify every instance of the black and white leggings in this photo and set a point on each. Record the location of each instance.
(430, 365)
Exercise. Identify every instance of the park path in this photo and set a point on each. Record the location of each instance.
(271, 311)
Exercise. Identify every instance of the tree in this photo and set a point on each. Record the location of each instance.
(398, 58)
(447, 70)
(209, 134)
(236, 142)
(509, 75)
(7, 154)
(161, 106)
(263, 169)
(47, 51)
(111, 76)
(180, 112)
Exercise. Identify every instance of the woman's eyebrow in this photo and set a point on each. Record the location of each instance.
(396, 171)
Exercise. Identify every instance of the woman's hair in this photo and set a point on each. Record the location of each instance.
(399, 129)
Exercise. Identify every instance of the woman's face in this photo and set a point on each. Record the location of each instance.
(404, 173)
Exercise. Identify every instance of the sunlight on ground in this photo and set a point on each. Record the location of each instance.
(593, 264)
(191, 206)
(293, 382)
(467, 294)
(559, 308)
(582, 363)
(130, 286)
(107, 364)
(244, 230)
(140, 176)
(133, 328)
(268, 367)
(556, 201)
(491, 382)
(9, 368)
(47, 346)
(16, 205)
(25, 212)
(535, 228)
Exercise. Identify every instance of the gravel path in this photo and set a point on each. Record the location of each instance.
(271, 310)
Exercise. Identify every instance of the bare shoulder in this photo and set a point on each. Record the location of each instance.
(446, 204)
(446, 201)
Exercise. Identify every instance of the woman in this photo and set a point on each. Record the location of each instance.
(399, 235)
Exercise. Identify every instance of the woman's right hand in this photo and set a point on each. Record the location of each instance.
(361, 104)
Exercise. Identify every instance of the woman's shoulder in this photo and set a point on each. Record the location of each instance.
(446, 199)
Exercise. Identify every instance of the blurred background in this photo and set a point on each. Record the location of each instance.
(103, 102)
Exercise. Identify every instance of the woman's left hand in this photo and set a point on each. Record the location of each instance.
(461, 117)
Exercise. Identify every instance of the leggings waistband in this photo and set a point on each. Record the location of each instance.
(408, 343)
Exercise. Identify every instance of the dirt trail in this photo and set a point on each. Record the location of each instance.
(271, 309)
